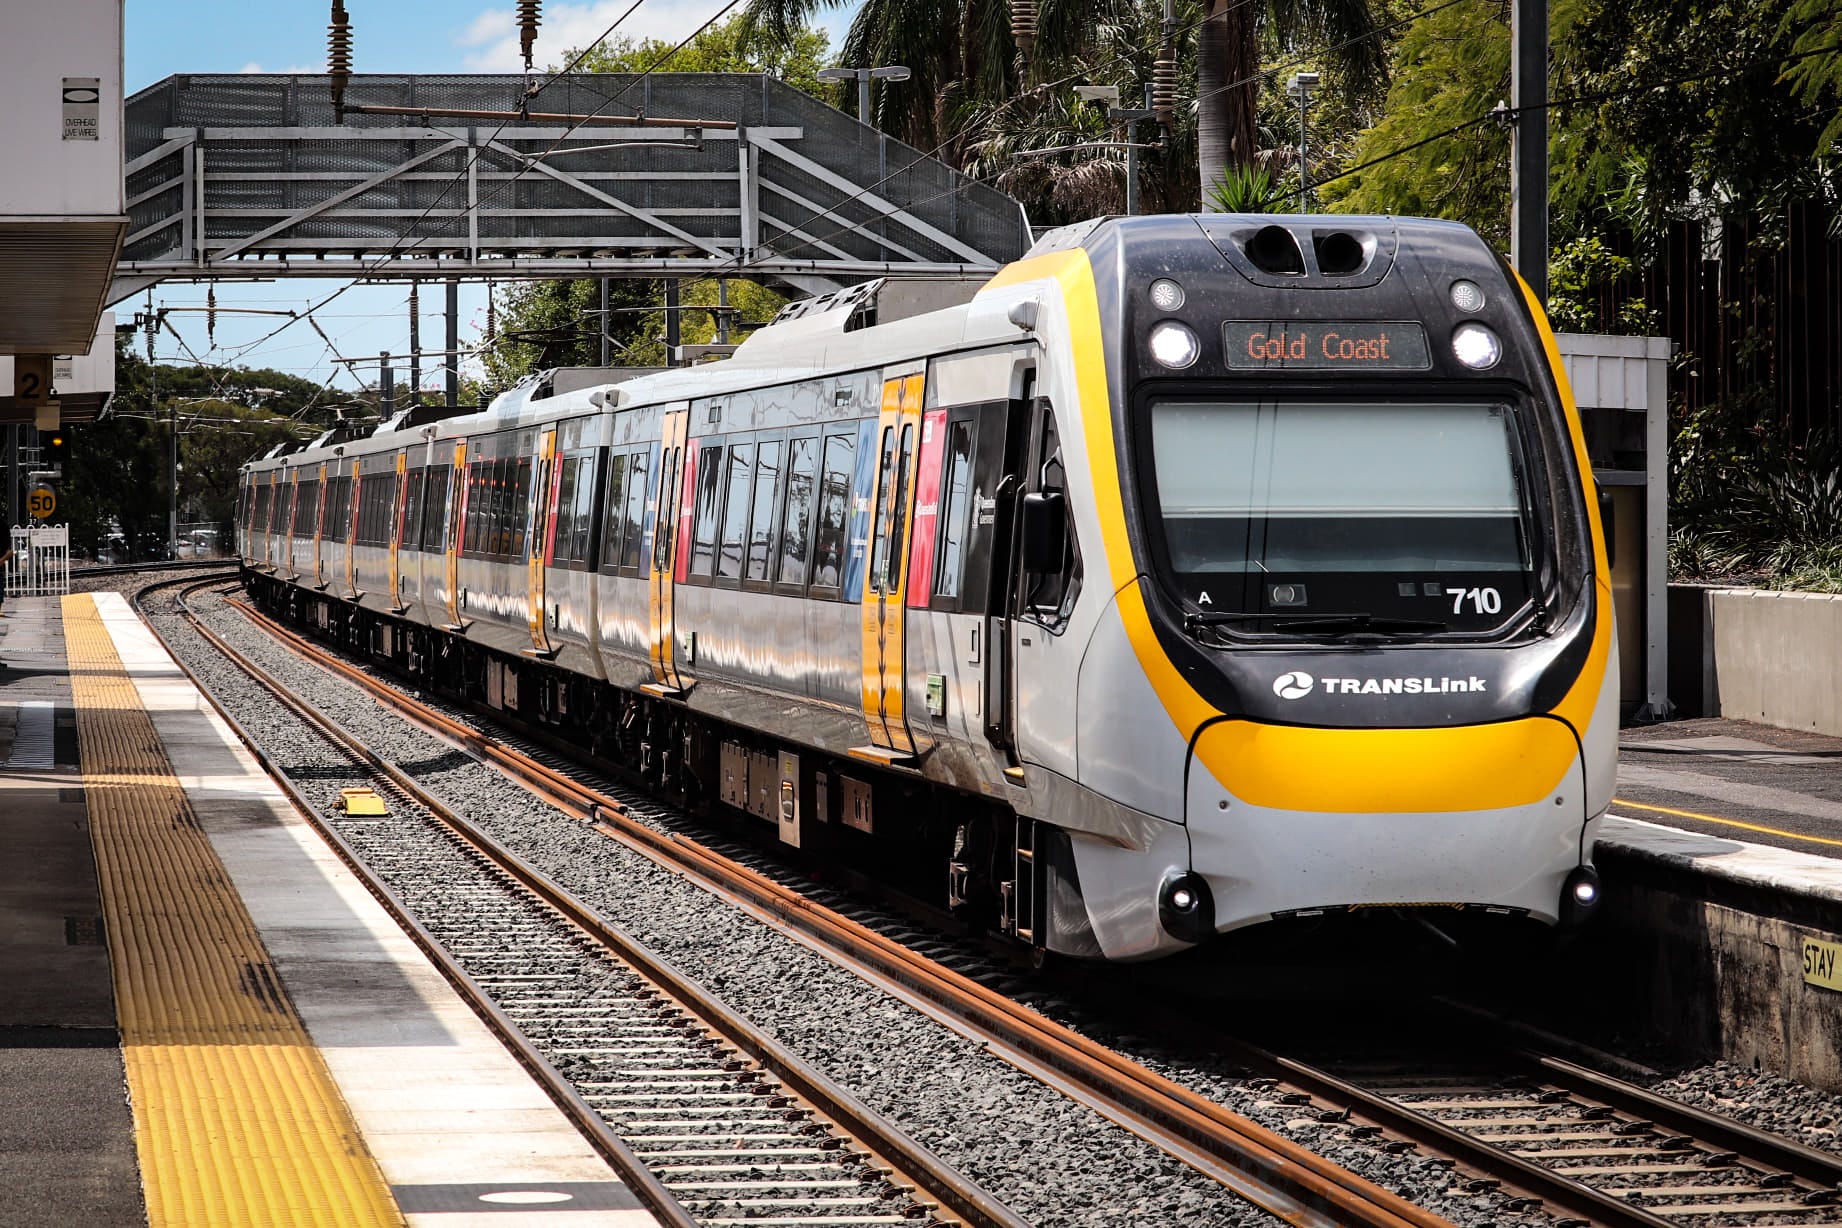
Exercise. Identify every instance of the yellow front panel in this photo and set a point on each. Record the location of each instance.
(1390, 771)
(236, 1119)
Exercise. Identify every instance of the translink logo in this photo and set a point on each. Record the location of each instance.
(1298, 684)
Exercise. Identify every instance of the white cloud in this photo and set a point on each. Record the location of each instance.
(255, 67)
(491, 38)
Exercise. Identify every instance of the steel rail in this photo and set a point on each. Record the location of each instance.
(1520, 1175)
(1270, 1171)
(643, 1182)
(860, 1125)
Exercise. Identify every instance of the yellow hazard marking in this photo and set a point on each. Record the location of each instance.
(1823, 963)
(360, 801)
(1710, 818)
(236, 1119)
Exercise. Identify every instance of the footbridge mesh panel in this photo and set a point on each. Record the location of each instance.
(256, 175)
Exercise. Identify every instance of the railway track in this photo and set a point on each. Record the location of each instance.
(1268, 1170)
(1535, 1129)
(709, 1120)
(1590, 1148)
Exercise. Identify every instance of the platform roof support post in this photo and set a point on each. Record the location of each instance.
(673, 335)
(453, 344)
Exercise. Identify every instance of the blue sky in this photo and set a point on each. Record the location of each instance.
(164, 37)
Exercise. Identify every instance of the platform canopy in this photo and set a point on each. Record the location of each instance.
(736, 174)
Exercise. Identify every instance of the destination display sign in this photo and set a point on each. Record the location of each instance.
(1325, 345)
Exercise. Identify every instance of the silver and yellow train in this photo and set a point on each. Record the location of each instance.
(1199, 572)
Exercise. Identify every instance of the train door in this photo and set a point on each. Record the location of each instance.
(319, 519)
(667, 504)
(885, 674)
(395, 542)
(997, 487)
(352, 505)
(1042, 662)
(454, 516)
(540, 524)
(294, 515)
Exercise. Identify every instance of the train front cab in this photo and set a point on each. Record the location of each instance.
(1332, 714)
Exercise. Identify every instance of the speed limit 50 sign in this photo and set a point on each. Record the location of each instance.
(41, 502)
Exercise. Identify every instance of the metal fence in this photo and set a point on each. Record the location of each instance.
(40, 563)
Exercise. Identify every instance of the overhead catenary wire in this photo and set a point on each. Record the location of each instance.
(476, 152)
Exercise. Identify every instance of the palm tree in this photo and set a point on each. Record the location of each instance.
(1343, 33)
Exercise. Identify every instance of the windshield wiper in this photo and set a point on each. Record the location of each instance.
(1345, 624)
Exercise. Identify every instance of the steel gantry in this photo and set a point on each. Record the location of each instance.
(251, 176)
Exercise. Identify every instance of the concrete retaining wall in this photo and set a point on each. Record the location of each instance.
(1701, 946)
(1753, 655)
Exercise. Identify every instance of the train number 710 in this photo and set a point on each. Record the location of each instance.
(1483, 600)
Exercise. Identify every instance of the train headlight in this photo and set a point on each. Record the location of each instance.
(1174, 345)
(1166, 295)
(1467, 295)
(1477, 347)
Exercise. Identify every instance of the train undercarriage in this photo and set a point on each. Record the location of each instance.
(958, 855)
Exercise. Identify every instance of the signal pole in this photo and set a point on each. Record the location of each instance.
(1528, 191)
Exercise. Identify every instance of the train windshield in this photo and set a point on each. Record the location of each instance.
(1303, 517)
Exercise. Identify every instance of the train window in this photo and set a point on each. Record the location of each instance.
(306, 508)
(412, 508)
(896, 558)
(575, 508)
(614, 515)
(563, 535)
(834, 511)
(1302, 509)
(703, 519)
(434, 508)
(521, 506)
(1048, 592)
(765, 503)
(955, 506)
(796, 525)
(501, 522)
(582, 533)
(885, 477)
(634, 521)
(473, 533)
(735, 511)
(666, 530)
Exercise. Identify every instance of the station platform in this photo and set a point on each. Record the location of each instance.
(205, 1018)
(1731, 779)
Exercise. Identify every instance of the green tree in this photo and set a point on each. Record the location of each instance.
(1346, 36)
(543, 324)
(794, 54)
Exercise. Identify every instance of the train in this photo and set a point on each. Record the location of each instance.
(1199, 575)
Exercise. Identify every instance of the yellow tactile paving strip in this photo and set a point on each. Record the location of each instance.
(236, 1119)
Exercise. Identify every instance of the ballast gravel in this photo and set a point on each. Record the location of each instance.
(1052, 1161)
(1768, 1101)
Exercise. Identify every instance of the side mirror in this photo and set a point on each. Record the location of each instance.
(1608, 524)
(1045, 531)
